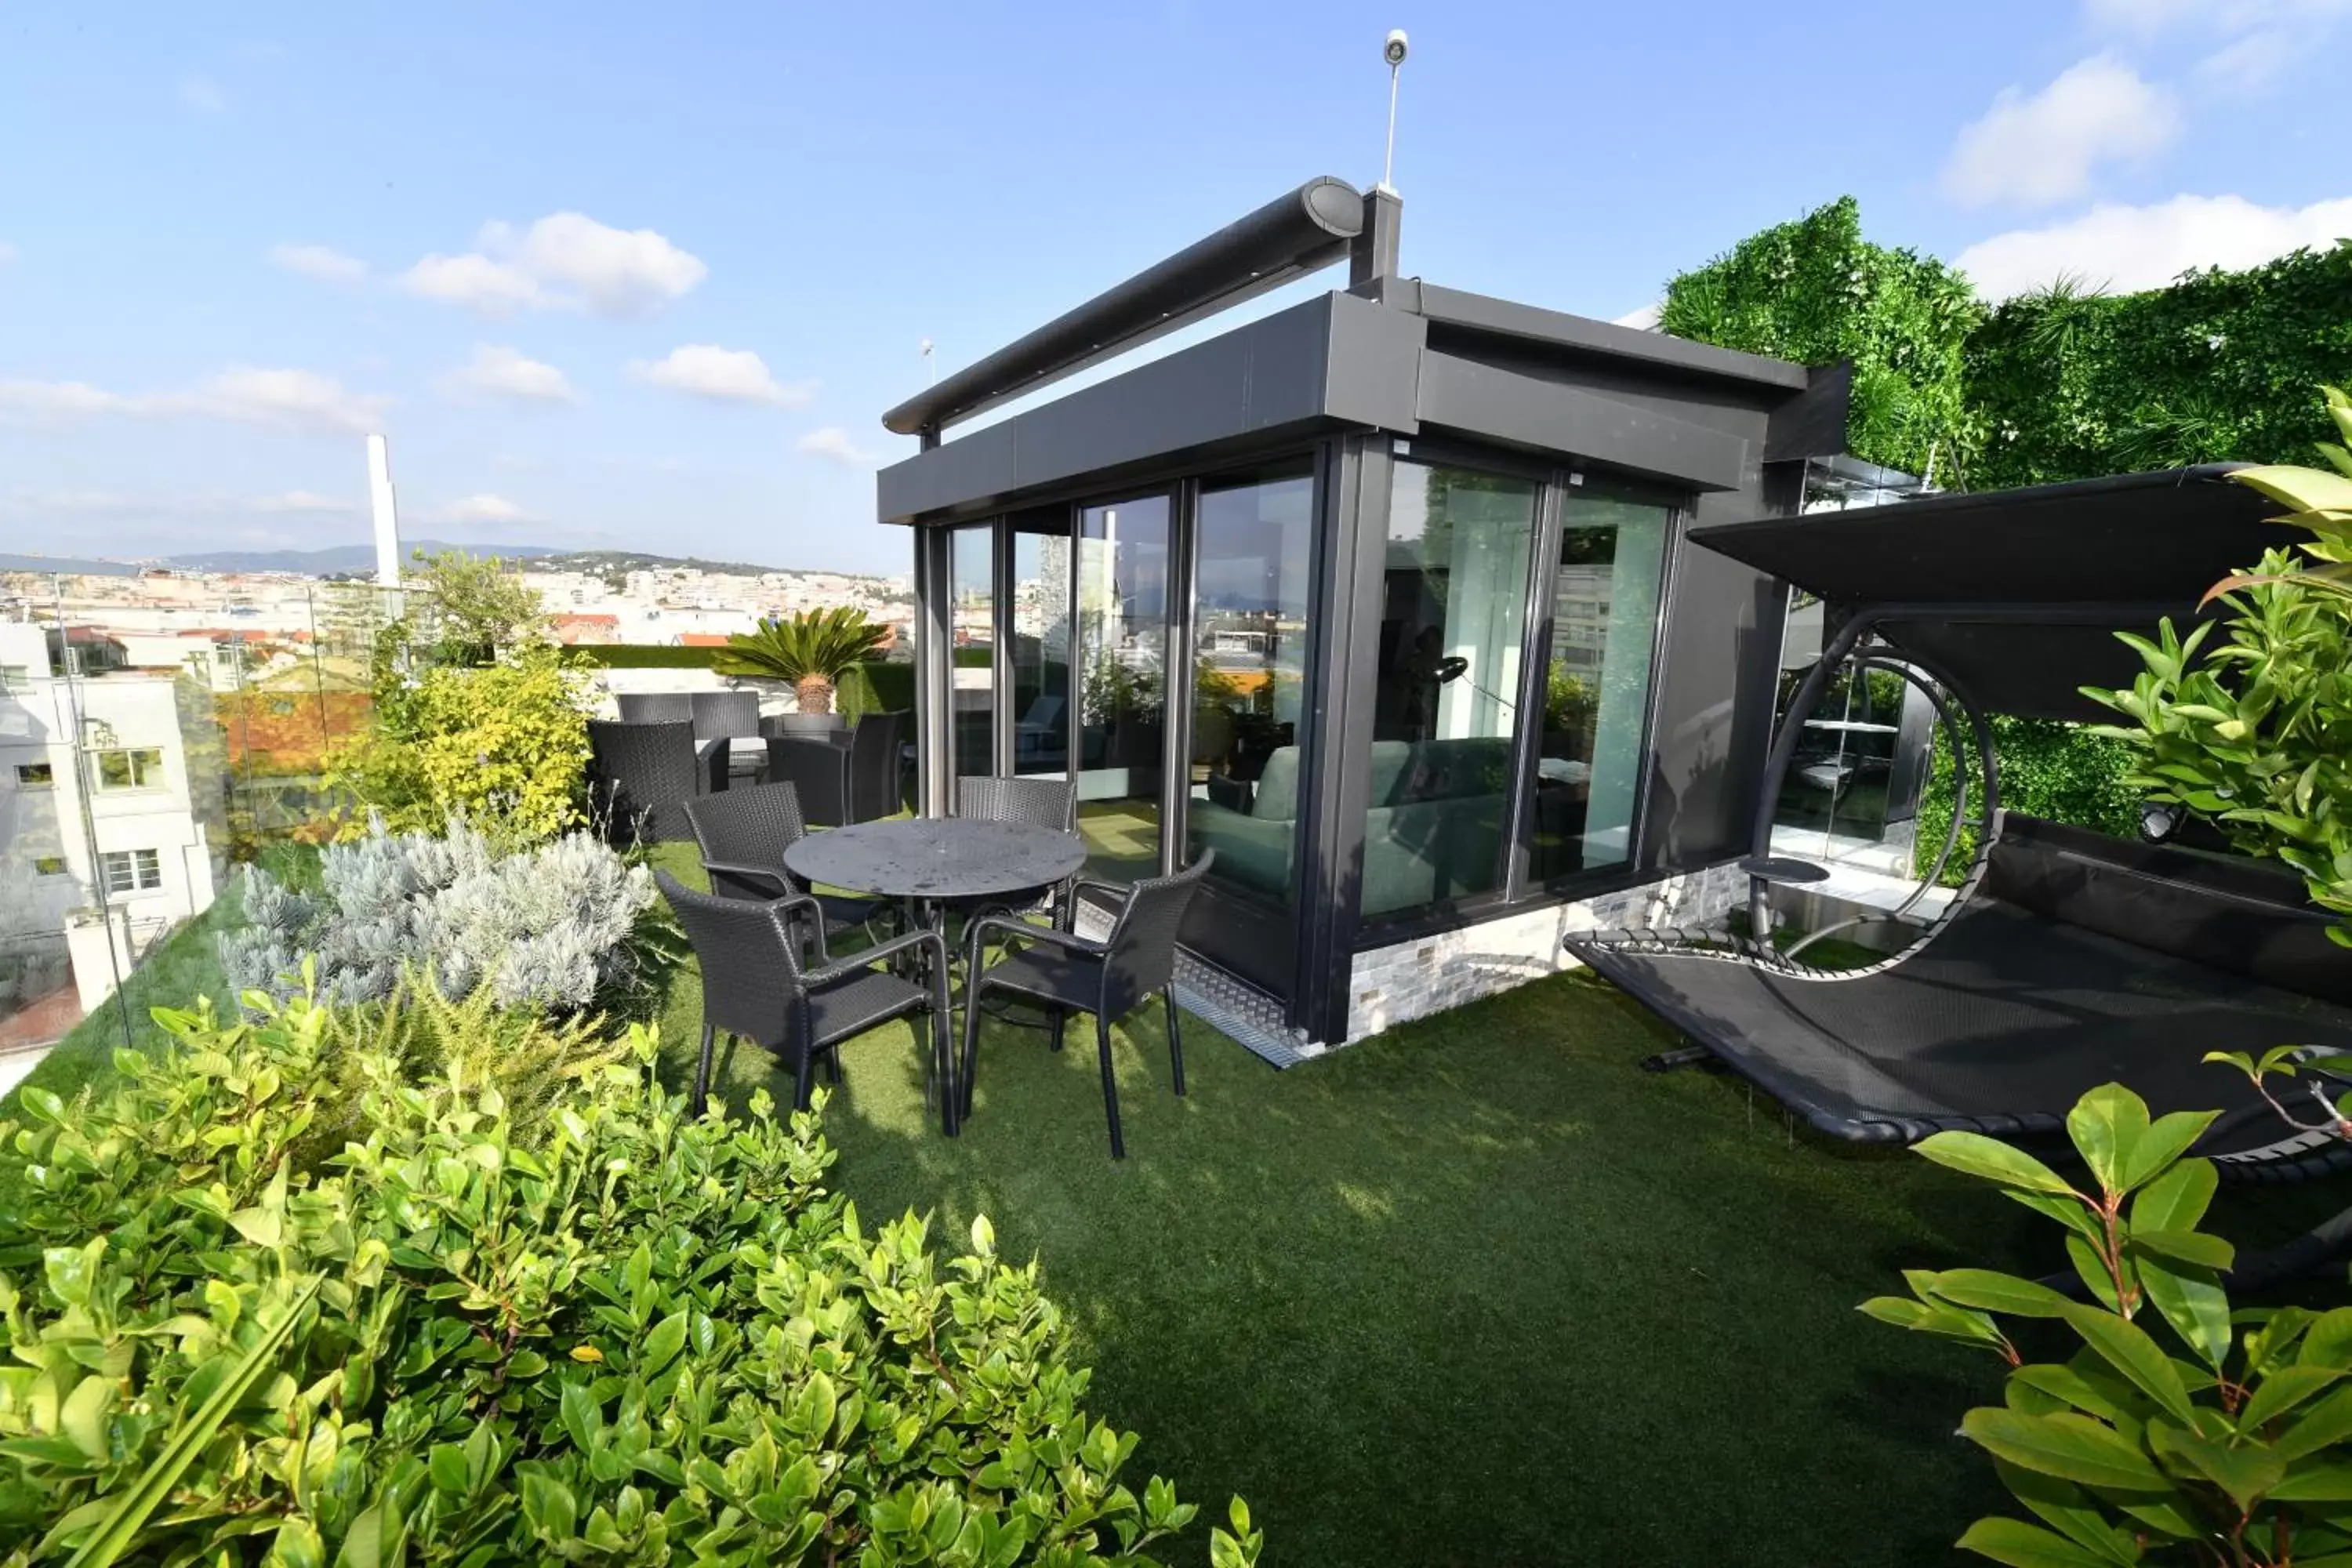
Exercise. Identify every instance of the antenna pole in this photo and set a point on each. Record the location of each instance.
(1387, 162)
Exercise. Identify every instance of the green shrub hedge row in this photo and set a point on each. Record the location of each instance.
(605, 1332)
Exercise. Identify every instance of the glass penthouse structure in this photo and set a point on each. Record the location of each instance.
(1384, 598)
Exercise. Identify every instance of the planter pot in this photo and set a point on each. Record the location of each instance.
(808, 725)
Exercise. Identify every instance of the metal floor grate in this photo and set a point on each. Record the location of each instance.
(1229, 1005)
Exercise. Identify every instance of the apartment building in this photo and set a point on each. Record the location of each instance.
(108, 826)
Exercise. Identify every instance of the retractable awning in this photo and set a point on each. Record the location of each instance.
(2015, 596)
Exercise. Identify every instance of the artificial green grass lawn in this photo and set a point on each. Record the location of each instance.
(1476, 1291)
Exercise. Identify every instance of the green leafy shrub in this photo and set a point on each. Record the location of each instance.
(611, 1333)
(2230, 1443)
(1815, 291)
(2072, 774)
(2257, 734)
(555, 927)
(505, 746)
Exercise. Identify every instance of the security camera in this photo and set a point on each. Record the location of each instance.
(1396, 47)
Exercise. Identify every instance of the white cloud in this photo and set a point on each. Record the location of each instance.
(2125, 249)
(484, 511)
(2040, 150)
(565, 261)
(834, 443)
(733, 375)
(59, 400)
(285, 399)
(302, 501)
(203, 94)
(2149, 17)
(493, 287)
(321, 261)
(502, 371)
(2252, 63)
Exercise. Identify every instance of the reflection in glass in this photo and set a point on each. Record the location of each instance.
(1596, 689)
(1451, 620)
(1123, 569)
(1041, 643)
(972, 638)
(1251, 595)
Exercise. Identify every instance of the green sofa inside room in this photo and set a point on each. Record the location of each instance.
(1434, 830)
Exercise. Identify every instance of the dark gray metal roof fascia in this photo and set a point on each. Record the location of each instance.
(1524, 411)
(1507, 318)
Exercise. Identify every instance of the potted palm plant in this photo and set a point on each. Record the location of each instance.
(812, 651)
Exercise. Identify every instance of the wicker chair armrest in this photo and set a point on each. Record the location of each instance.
(1069, 941)
(867, 957)
(775, 874)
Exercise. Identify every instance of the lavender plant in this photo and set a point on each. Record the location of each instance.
(554, 927)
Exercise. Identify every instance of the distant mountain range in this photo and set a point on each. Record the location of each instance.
(359, 560)
(345, 558)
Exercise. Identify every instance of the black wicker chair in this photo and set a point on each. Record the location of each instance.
(640, 777)
(852, 779)
(1032, 803)
(653, 706)
(756, 988)
(719, 717)
(743, 835)
(1109, 978)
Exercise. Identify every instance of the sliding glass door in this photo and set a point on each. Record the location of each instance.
(1445, 711)
(1039, 642)
(1121, 565)
(1604, 606)
(971, 624)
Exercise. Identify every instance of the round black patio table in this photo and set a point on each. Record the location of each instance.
(935, 860)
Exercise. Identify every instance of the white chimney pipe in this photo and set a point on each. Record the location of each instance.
(387, 514)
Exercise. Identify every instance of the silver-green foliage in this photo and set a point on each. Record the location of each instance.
(2226, 1440)
(549, 926)
(606, 1332)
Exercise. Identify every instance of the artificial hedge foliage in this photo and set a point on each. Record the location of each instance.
(2066, 383)
(644, 656)
(2221, 366)
(2059, 772)
(1816, 293)
(608, 1333)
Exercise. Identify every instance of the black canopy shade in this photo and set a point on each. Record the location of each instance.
(2014, 594)
(1288, 238)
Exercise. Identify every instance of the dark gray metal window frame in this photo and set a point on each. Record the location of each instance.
(1352, 473)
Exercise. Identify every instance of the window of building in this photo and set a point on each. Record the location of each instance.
(15, 677)
(140, 767)
(1612, 551)
(36, 775)
(49, 866)
(130, 870)
(1452, 623)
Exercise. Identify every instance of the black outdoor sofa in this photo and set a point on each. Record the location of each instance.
(2066, 959)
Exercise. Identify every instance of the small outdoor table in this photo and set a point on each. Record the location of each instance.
(930, 862)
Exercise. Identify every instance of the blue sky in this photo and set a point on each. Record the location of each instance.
(646, 277)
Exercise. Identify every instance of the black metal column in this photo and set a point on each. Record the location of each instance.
(934, 670)
(1342, 675)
